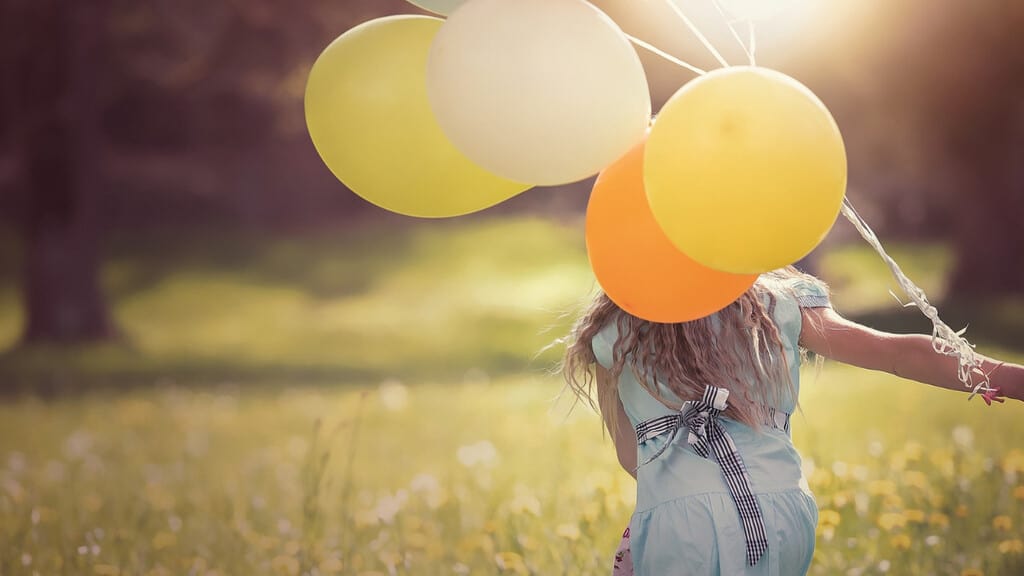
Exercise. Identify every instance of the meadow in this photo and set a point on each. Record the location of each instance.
(370, 404)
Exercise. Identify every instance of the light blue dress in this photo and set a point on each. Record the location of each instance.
(686, 522)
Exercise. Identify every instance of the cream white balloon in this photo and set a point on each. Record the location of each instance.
(540, 91)
(443, 7)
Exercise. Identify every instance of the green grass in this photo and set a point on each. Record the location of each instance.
(428, 299)
(375, 402)
(429, 477)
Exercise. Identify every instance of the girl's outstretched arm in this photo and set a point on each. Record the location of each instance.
(618, 425)
(911, 356)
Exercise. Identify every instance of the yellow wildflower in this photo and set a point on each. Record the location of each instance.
(568, 531)
(1002, 522)
(938, 519)
(287, 565)
(829, 517)
(972, 572)
(961, 511)
(915, 516)
(915, 479)
(891, 520)
(1018, 492)
(1014, 546)
(164, 540)
(900, 542)
(881, 487)
(510, 562)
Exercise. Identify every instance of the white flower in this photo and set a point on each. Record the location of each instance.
(389, 506)
(424, 482)
(876, 448)
(932, 540)
(884, 566)
(963, 436)
(394, 396)
(482, 453)
(840, 469)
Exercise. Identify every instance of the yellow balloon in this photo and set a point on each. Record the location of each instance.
(542, 91)
(370, 121)
(745, 170)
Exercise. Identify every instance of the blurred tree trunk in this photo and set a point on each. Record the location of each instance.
(982, 89)
(56, 76)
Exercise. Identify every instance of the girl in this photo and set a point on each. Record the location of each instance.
(699, 413)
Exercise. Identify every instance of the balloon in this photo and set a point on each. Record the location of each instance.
(540, 91)
(633, 260)
(368, 116)
(745, 170)
(443, 7)
(753, 9)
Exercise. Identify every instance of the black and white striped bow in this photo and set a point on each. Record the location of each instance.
(700, 418)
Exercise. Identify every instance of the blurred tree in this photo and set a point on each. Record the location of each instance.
(54, 113)
(971, 91)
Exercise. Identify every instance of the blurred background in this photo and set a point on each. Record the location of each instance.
(218, 360)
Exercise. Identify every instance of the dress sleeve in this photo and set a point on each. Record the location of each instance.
(810, 294)
(602, 344)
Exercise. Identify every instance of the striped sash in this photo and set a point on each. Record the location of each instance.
(705, 434)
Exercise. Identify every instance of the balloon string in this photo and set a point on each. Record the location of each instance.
(696, 31)
(945, 341)
(749, 52)
(665, 55)
(753, 43)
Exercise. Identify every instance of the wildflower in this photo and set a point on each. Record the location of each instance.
(482, 453)
(891, 520)
(394, 396)
(829, 517)
(972, 572)
(285, 565)
(914, 516)
(1014, 546)
(881, 487)
(963, 437)
(938, 519)
(568, 531)
(840, 469)
(389, 506)
(913, 451)
(164, 540)
(915, 479)
(961, 511)
(876, 448)
(332, 565)
(884, 565)
(1002, 522)
(932, 541)
(524, 501)
(1018, 492)
(900, 542)
(511, 562)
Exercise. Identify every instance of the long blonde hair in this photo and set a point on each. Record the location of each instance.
(738, 348)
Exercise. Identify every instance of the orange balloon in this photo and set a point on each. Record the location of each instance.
(636, 264)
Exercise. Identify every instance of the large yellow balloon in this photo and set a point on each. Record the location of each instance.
(368, 116)
(541, 91)
(745, 170)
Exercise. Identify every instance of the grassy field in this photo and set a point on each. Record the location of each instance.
(370, 405)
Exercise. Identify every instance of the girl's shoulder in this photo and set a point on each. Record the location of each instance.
(805, 290)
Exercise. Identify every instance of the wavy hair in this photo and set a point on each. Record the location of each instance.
(738, 348)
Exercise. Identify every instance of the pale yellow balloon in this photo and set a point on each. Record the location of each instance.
(541, 91)
(368, 116)
(745, 170)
